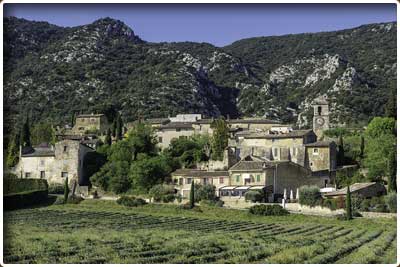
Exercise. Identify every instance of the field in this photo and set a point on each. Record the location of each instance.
(103, 232)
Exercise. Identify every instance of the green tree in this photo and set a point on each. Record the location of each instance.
(13, 151)
(73, 117)
(381, 126)
(25, 136)
(113, 176)
(392, 170)
(219, 139)
(118, 127)
(148, 171)
(107, 139)
(43, 133)
(362, 147)
(114, 128)
(340, 155)
(349, 215)
(391, 105)
(142, 139)
(66, 190)
(191, 196)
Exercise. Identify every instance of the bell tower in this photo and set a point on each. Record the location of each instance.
(321, 116)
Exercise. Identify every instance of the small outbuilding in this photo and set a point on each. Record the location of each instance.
(367, 190)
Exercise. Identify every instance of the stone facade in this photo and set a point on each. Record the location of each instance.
(65, 159)
(91, 123)
(321, 117)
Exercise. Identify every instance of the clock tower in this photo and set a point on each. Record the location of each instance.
(321, 116)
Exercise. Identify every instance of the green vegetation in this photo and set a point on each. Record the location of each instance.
(162, 193)
(96, 231)
(268, 210)
(130, 201)
(66, 190)
(43, 133)
(219, 139)
(22, 193)
(191, 195)
(253, 196)
(11, 186)
(309, 195)
(349, 214)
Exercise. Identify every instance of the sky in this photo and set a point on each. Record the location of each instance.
(218, 24)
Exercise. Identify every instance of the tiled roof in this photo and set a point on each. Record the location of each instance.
(89, 115)
(158, 120)
(199, 173)
(292, 134)
(319, 144)
(176, 125)
(249, 165)
(38, 152)
(254, 121)
(353, 188)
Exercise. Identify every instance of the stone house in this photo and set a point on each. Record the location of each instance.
(165, 133)
(94, 123)
(320, 156)
(183, 178)
(367, 190)
(54, 163)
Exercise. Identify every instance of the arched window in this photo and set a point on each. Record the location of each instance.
(319, 110)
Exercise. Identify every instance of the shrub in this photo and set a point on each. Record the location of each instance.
(59, 201)
(253, 196)
(204, 192)
(212, 203)
(329, 203)
(162, 192)
(309, 195)
(380, 208)
(356, 201)
(24, 199)
(365, 205)
(391, 202)
(9, 175)
(130, 201)
(187, 206)
(73, 199)
(56, 188)
(95, 194)
(268, 210)
(12, 186)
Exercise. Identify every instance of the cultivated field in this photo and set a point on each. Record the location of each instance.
(103, 232)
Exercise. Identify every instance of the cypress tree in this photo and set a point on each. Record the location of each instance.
(340, 157)
(392, 169)
(108, 138)
(391, 106)
(114, 127)
(73, 119)
(348, 204)
(119, 126)
(13, 151)
(25, 136)
(66, 190)
(362, 147)
(191, 197)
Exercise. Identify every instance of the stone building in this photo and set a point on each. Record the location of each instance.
(321, 116)
(54, 163)
(183, 178)
(366, 190)
(91, 123)
(165, 133)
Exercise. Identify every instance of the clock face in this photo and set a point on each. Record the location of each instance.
(320, 121)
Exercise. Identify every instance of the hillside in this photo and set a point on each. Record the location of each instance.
(52, 72)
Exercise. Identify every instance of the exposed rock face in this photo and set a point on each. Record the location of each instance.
(52, 72)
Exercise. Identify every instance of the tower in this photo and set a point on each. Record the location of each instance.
(321, 116)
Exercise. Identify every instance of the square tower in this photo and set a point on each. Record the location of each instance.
(321, 116)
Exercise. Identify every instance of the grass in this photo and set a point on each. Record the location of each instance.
(96, 231)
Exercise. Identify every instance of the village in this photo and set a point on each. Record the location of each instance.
(263, 156)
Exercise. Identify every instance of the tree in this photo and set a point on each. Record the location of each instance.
(381, 126)
(118, 127)
(219, 139)
(391, 106)
(191, 197)
(204, 192)
(66, 190)
(114, 128)
(148, 171)
(73, 117)
(362, 147)
(340, 155)
(349, 215)
(43, 133)
(392, 169)
(13, 151)
(113, 176)
(141, 139)
(107, 140)
(25, 136)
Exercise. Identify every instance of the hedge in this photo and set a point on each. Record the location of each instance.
(253, 196)
(310, 196)
(268, 210)
(24, 199)
(12, 186)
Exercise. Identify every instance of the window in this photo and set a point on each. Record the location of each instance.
(237, 178)
(160, 139)
(315, 151)
(257, 177)
(41, 163)
(319, 110)
(178, 130)
(82, 120)
(275, 152)
(221, 180)
(311, 164)
(326, 183)
(42, 174)
(64, 174)
(188, 180)
(65, 148)
(27, 175)
(180, 181)
(92, 120)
